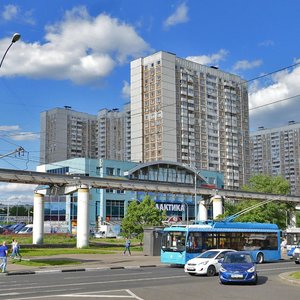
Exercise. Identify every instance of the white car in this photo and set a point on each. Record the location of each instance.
(207, 263)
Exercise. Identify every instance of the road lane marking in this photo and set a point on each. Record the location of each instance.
(108, 275)
(99, 282)
(104, 294)
(287, 269)
(10, 294)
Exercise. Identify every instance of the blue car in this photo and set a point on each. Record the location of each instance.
(238, 267)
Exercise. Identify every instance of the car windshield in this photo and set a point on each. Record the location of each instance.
(208, 254)
(238, 258)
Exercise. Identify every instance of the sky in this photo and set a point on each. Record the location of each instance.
(77, 53)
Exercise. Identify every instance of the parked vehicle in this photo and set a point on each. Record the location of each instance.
(207, 263)
(238, 267)
(296, 255)
(18, 227)
(107, 231)
(26, 229)
(6, 229)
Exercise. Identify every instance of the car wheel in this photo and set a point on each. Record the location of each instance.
(297, 262)
(255, 281)
(211, 271)
(260, 258)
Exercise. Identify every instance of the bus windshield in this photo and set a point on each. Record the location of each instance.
(173, 241)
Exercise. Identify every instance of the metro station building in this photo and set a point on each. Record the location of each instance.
(110, 205)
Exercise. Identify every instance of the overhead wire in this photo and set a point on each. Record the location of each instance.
(174, 104)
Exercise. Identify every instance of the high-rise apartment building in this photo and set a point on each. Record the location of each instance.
(114, 134)
(190, 113)
(66, 134)
(276, 152)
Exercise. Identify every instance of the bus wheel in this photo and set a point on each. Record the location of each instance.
(211, 271)
(260, 258)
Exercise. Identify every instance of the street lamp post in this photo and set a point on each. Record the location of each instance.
(187, 212)
(7, 213)
(195, 196)
(14, 39)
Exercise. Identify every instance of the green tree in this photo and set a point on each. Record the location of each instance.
(273, 212)
(140, 215)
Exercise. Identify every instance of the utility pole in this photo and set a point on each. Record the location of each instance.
(19, 150)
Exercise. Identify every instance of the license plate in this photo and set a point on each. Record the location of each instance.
(191, 269)
(237, 276)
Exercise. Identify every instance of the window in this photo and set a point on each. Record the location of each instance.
(109, 171)
(114, 209)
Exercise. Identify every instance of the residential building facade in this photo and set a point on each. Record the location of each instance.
(66, 134)
(114, 133)
(192, 114)
(276, 152)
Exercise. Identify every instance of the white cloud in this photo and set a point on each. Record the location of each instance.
(16, 187)
(14, 193)
(14, 132)
(179, 16)
(126, 89)
(9, 127)
(266, 43)
(284, 85)
(80, 48)
(14, 12)
(246, 65)
(209, 59)
(10, 12)
(25, 136)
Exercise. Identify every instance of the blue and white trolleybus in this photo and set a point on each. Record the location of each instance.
(184, 242)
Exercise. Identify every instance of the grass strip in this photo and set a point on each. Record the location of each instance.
(47, 262)
(295, 275)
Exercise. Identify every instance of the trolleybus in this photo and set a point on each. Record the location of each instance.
(184, 242)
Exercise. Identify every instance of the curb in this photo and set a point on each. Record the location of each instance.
(76, 270)
(286, 277)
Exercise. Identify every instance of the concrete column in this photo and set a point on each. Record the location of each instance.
(202, 211)
(83, 217)
(68, 213)
(217, 206)
(38, 219)
(293, 222)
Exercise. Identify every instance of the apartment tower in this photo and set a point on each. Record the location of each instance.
(276, 152)
(66, 134)
(190, 113)
(114, 133)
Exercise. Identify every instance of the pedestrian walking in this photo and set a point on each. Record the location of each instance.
(3, 257)
(127, 246)
(15, 249)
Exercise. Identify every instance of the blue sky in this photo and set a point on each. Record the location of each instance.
(77, 53)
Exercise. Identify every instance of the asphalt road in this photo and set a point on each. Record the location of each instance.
(152, 283)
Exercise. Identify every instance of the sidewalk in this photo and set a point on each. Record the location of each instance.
(88, 262)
